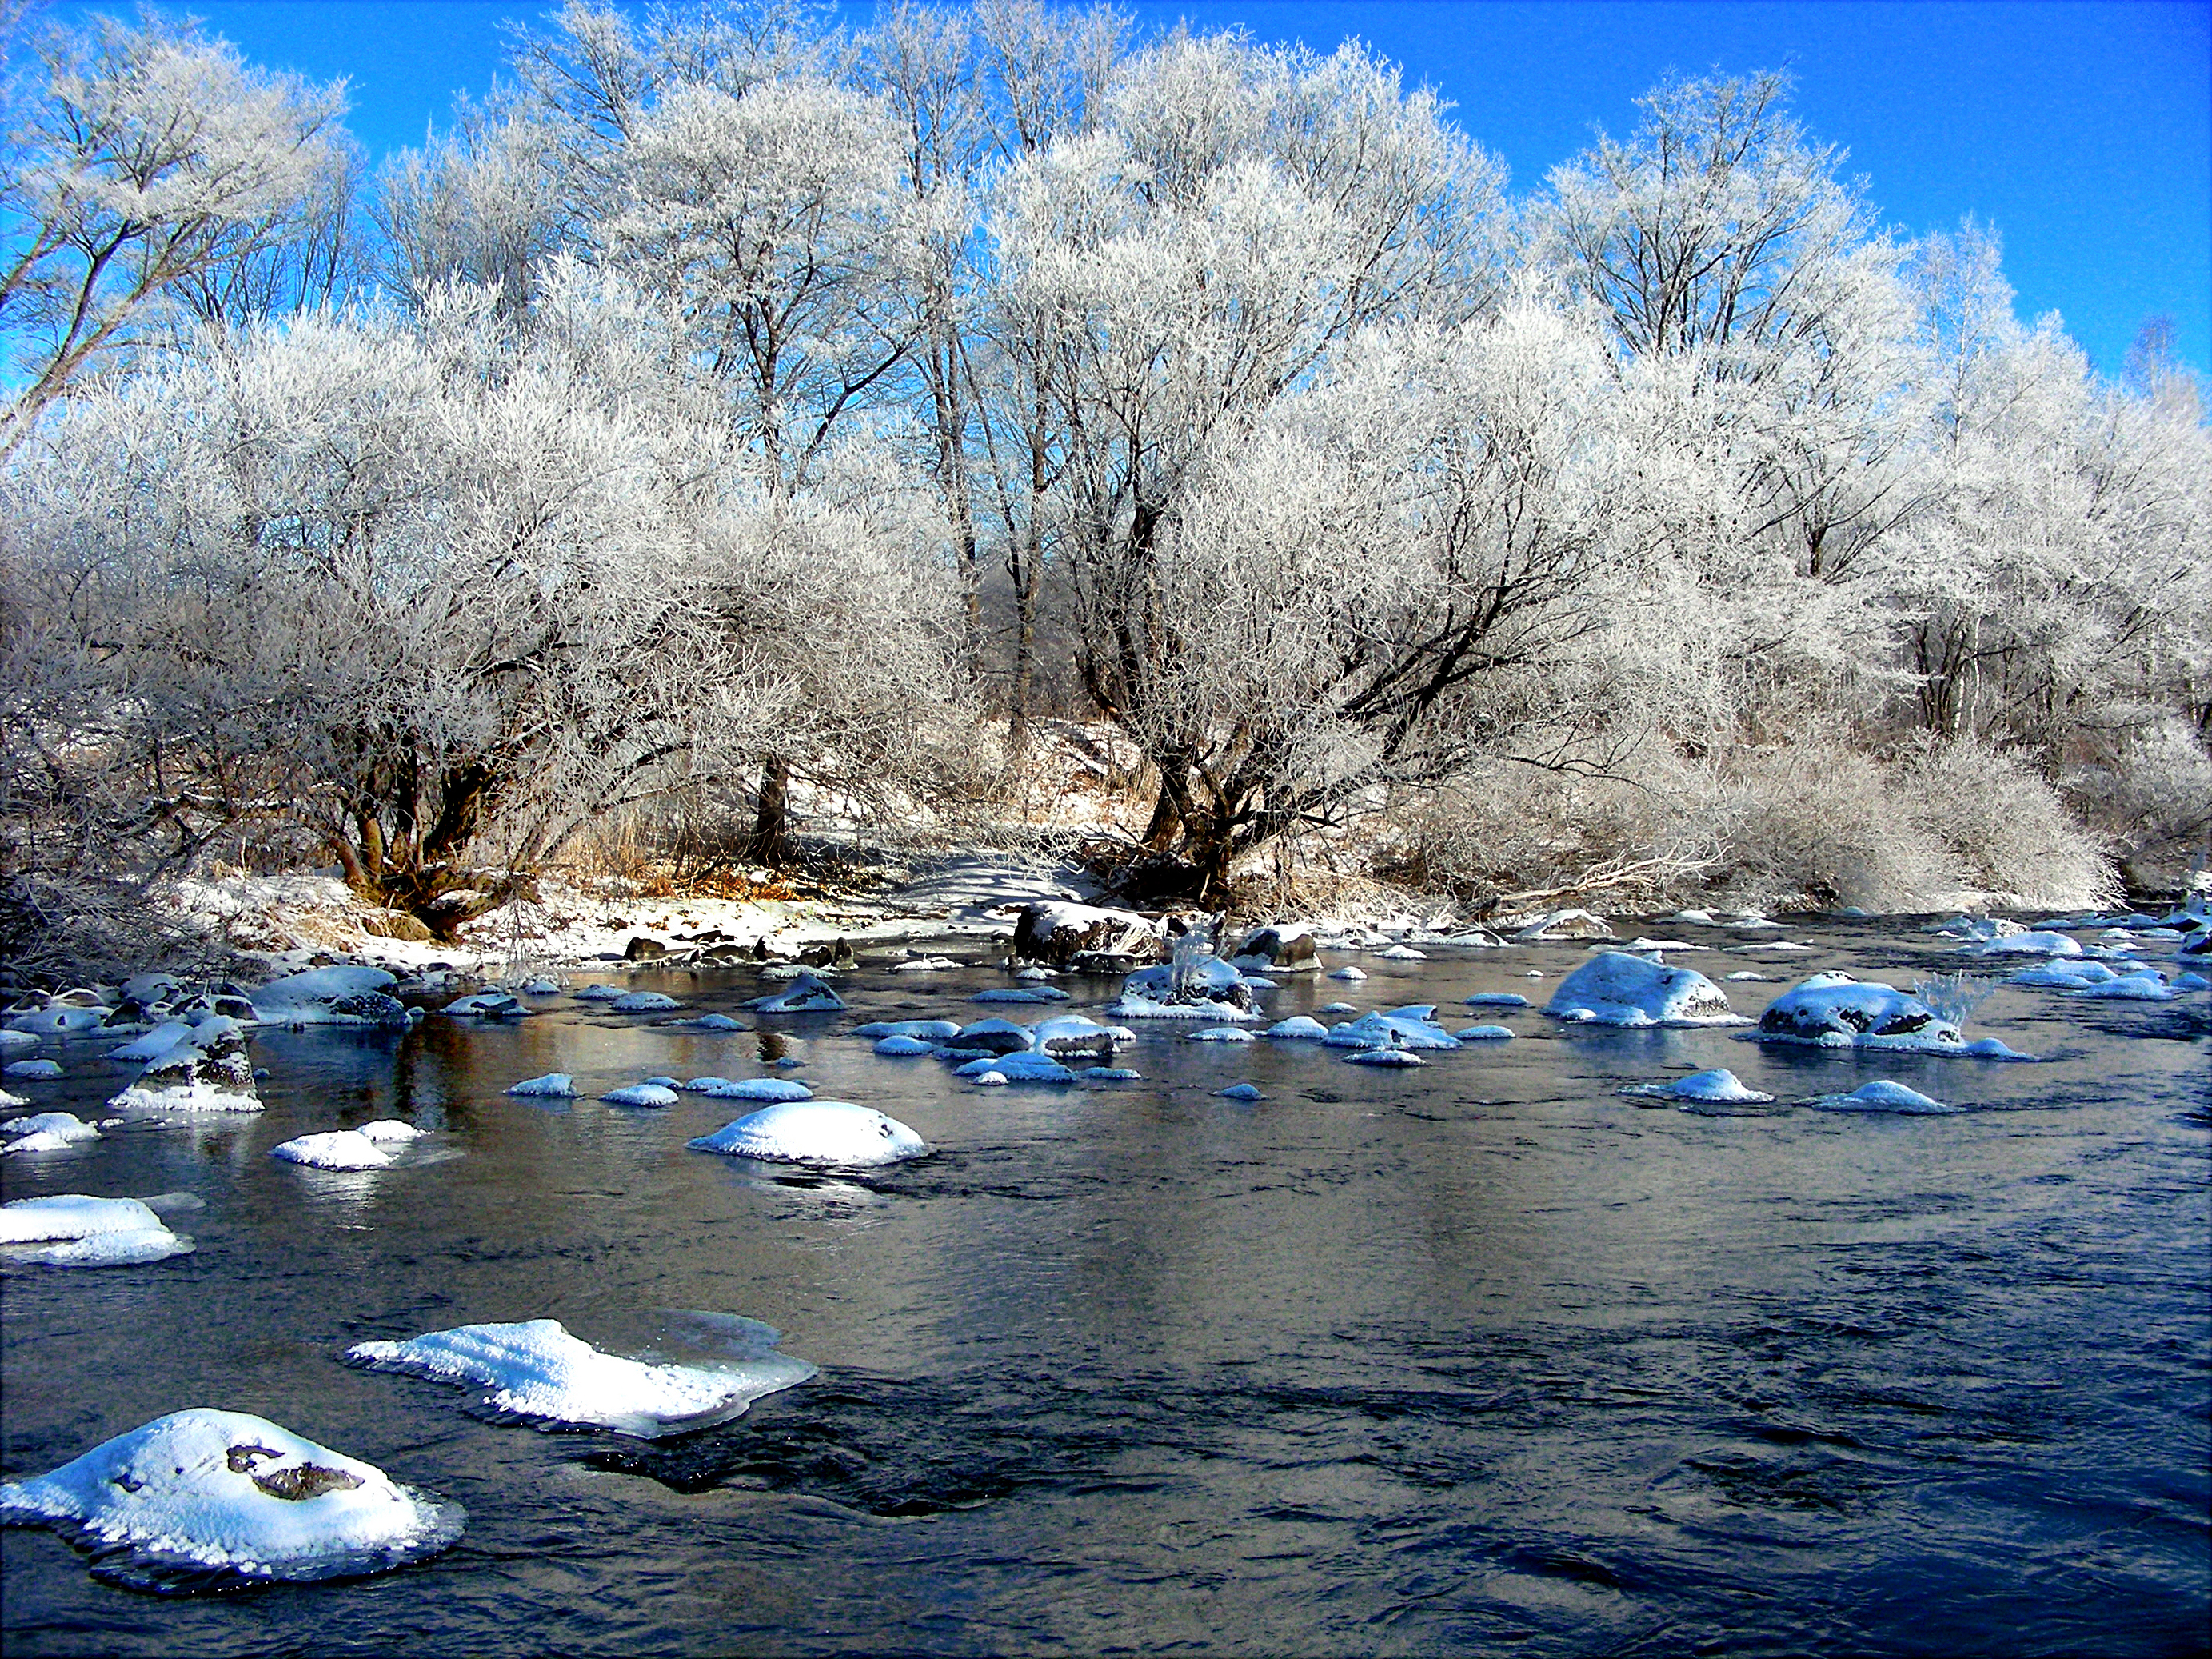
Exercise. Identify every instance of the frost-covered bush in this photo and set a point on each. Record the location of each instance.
(2008, 830)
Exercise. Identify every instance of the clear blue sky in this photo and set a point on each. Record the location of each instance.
(2081, 130)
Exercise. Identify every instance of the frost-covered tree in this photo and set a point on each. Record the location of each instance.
(148, 163)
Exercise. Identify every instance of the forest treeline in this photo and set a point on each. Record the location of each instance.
(776, 421)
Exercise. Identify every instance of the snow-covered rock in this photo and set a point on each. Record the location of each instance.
(722, 1024)
(1199, 987)
(153, 1043)
(80, 1230)
(1408, 1028)
(1113, 1074)
(929, 1031)
(1485, 1034)
(1719, 1086)
(640, 1094)
(1880, 1097)
(554, 1085)
(1385, 1057)
(771, 1090)
(1834, 1010)
(537, 1370)
(1348, 973)
(1495, 999)
(201, 1494)
(2037, 944)
(1286, 947)
(1018, 1068)
(1612, 988)
(1299, 1028)
(16, 1043)
(1059, 933)
(50, 1128)
(643, 1002)
(207, 1071)
(2066, 975)
(829, 1131)
(330, 996)
(1069, 1037)
(58, 1020)
(808, 994)
(2148, 987)
(1033, 994)
(334, 1149)
(1246, 1092)
(994, 1035)
(1222, 1034)
(1563, 924)
(600, 993)
(924, 965)
(904, 1047)
(486, 1004)
(33, 1070)
(1401, 953)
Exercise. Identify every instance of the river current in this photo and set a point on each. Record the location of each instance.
(1481, 1357)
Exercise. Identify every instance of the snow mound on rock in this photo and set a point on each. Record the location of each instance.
(485, 1004)
(330, 996)
(334, 1149)
(1613, 988)
(1066, 1037)
(1018, 1068)
(1386, 1057)
(80, 1230)
(904, 1047)
(2146, 986)
(806, 994)
(1485, 1034)
(1834, 1010)
(1408, 1028)
(643, 1002)
(203, 1498)
(1563, 924)
(62, 1128)
(1241, 1092)
(58, 1020)
(1495, 999)
(1719, 1085)
(154, 1044)
(537, 1370)
(929, 1031)
(640, 1094)
(1299, 1028)
(208, 1072)
(2037, 944)
(34, 1071)
(1221, 1034)
(834, 1131)
(1883, 1095)
(554, 1085)
(770, 1089)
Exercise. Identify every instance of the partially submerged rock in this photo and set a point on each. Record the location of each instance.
(1074, 1037)
(1563, 924)
(640, 1094)
(1883, 1095)
(1059, 933)
(554, 1085)
(828, 1132)
(808, 994)
(486, 1004)
(1199, 986)
(204, 1497)
(1834, 1010)
(1017, 1068)
(1719, 1085)
(1402, 1029)
(330, 996)
(1613, 988)
(537, 1370)
(207, 1071)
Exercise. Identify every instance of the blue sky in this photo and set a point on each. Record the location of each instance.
(2082, 130)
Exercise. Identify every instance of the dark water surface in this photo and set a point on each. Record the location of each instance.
(1476, 1358)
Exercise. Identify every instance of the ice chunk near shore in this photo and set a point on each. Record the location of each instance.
(554, 1085)
(640, 1094)
(330, 996)
(80, 1230)
(1883, 1096)
(832, 1132)
(202, 1497)
(806, 994)
(33, 1070)
(1036, 993)
(1834, 1010)
(1719, 1086)
(1113, 1074)
(1612, 988)
(537, 1370)
(207, 1071)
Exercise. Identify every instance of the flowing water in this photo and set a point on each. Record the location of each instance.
(1479, 1357)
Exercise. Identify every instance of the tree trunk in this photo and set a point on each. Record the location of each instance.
(770, 843)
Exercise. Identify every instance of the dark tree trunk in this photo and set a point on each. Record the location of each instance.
(770, 843)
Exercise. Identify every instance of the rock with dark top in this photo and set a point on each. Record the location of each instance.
(1060, 933)
(641, 949)
(1286, 948)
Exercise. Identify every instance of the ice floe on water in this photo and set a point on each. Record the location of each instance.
(76, 1230)
(1613, 988)
(1834, 1010)
(640, 1094)
(206, 1072)
(829, 1131)
(537, 1370)
(1718, 1086)
(201, 1499)
(1883, 1096)
(554, 1085)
